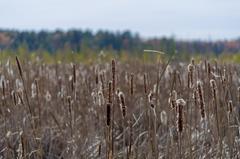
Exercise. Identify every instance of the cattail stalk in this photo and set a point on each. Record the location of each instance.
(69, 100)
(38, 101)
(214, 94)
(74, 80)
(108, 139)
(25, 90)
(113, 99)
(180, 104)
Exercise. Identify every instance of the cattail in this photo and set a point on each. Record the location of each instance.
(145, 83)
(189, 80)
(48, 96)
(209, 69)
(74, 74)
(190, 75)
(163, 117)
(150, 99)
(131, 84)
(37, 87)
(3, 89)
(100, 98)
(201, 100)
(113, 75)
(205, 65)
(108, 114)
(99, 149)
(25, 90)
(216, 66)
(180, 104)
(214, 89)
(224, 77)
(34, 90)
(96, 79)
(193, 61)
(110, 92)
(69, 100)
(20, 97)
(102, 83)
(19, 67)
(13, 94)
(122, 104)
(172, 99)
(118, 99)
(179, 78)
(195, 97)
(230, 106)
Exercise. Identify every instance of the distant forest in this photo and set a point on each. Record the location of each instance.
(79, 40)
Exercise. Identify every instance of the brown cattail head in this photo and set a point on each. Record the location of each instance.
(96, 79)
(19, 67)
(3, 89)
(230, 106)
(145, 83)
(131, 84)
(214, 89)
(201, 100)
(195, 98)
(190, 75)
(74, 74)
(209, 69)
(122, 99)
(180, 104)
(122, 103)
(110, 92)
(37, 87)
(108, 114)
(172, 99)
(113, 75)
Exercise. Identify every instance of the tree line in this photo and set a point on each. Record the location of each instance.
(79, 40)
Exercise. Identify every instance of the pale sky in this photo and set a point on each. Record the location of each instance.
(185, 19)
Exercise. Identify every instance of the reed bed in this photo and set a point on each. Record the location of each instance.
(113, 109)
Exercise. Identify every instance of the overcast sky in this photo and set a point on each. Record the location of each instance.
(185, 19)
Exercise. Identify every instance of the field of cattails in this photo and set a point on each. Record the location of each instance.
(119, 109)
